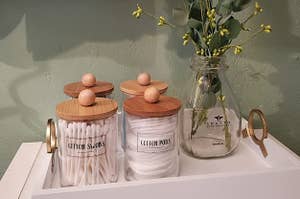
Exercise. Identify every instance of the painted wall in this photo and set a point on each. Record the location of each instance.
(46, 44)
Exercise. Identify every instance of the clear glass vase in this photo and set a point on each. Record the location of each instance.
(212, 119)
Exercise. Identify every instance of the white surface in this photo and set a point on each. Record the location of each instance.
(16, 176)
(245, 174)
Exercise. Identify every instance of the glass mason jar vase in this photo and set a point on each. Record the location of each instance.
(212, 119)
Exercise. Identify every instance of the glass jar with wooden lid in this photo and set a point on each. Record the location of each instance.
(86, 140)
(151, 146)
(137, 87)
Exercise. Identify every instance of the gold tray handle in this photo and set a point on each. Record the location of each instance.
(250, 130)
(51, 136)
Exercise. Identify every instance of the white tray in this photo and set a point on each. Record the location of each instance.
(245, 174)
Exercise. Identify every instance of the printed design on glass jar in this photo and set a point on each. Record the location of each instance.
(214, 125)
(218, 121)
(85, 147)
(155, 143)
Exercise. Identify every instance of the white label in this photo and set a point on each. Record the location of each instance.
(155, 143)
(85, 147)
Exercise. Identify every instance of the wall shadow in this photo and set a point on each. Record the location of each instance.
(54, 27)
(11, 13)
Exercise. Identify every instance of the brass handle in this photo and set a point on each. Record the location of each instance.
(250, 130)
(51, 136)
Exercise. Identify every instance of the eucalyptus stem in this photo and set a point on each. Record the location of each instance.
(157, 18)
(248, 18)
(252, 37)
(198, 117)
(202, 17)
(226, 129)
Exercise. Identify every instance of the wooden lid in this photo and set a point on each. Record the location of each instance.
(132, 87)
(164, 107)
(71, 110)
(100, 88)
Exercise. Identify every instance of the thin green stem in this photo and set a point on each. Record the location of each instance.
(226, 129)
(208, 5)
(195, 44)
(252, 37)
(248, 18)
(157, 18)
(202, 17)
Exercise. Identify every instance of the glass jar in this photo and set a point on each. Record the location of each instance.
(151, 148)
(87, 142)
(132, 88)
(212, 119)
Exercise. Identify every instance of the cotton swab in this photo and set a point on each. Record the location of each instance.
(90, 164)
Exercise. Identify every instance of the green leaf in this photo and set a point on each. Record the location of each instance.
(195, 12)
(208, 100)
(239, 5)
(224, 7)
(234, 27)
(215, 84)
(200, 40)
(217, 41)
(193, 23)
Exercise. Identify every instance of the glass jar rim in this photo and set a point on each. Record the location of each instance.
(201, 63)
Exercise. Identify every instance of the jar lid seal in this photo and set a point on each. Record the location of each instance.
(72, 110)
(101, 88)
(166, 106)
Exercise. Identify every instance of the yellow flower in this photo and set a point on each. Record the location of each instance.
(137, 13)
(213, 24)
(238, 50)
(200, 51)
(186, 38)
(224, 32)
(211, 14)
(258, 9)
(221, 98)
(216, 52)
(200, 81)
(208, 39)
(161, 21)
(266, 28)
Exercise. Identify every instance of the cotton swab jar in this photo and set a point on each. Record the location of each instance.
(88, 81)
(151, 147)
(87, 140)
(132, 88)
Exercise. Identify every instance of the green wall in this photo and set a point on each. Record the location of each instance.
(46, 44)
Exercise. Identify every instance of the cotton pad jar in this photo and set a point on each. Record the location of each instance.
(88, 81)
(137, 87)
(151, 148)
(87, 140)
